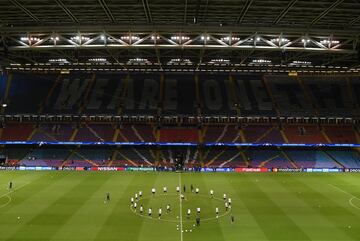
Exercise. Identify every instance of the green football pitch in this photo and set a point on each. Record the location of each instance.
(60, 205)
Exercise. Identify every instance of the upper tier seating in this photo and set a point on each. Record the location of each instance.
(220, 94)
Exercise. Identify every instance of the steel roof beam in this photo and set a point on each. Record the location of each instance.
(205, 13)
(185, 11)
(25, 10)
(285, 11)
(244, 11)
(107, 10)
(355, 20)
(178, 28)
(165, 46)
(147, 11)
(325, 12)
(67, 11)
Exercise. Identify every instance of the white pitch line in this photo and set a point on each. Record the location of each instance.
(9, 197)
(352, 204)
(15, 189)
(176, 220)
(5, 204)
(181, 228)
(352, 196)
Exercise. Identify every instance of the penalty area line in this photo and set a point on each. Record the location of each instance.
(13, 190)
(352, 196)
(9, 197)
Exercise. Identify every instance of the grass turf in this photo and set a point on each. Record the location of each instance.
(266, 206)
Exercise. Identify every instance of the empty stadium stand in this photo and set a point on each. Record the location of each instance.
(158, 96)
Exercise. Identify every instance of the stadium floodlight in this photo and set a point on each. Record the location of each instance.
(179, 61)
(326, 41)
(128, 37)
(55, 38)
(280, 40)
(261, 61)
(99, 60)
(219, 61)
(258, 39)
(4, 105)
(300, 62)
(305, 40)
(138, 61)
(153, 37)
(203, 37)
(177, 37)
(225, 39)
(75, 38)
(31, 39)
(102, 37)
(78, 38)
(59, 61)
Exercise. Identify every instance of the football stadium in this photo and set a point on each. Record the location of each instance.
(180, 120)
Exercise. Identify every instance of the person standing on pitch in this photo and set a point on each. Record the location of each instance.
(224, 196)
(160, 211)
(10, 185)
(198, 210)
(135, 205)
(188, 213)
(217, 212)
(150, 212)
(226, 206)
(140, 193)
(192, 188)
(211, 193)
(197, 190)
(165, 189)
(184, 188)
(232, 218)
(153, 191)
(108, 197)
(136, 196)
(177, 189)
(168, 209)
(141, 209)
(229, 201)
(198, 221)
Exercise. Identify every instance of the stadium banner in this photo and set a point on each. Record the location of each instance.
(68, 168)
(140, 169)
(352, 170)
(8, 168)
(212, 144)
(215, 169)
(36, 168)
(251, 169)
(107, 169)
(287, 170)
(323, 170)
(223, 169)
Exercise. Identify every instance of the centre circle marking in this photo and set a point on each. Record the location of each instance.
(352, 203)
(145, 215)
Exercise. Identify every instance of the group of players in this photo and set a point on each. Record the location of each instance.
(134, 203)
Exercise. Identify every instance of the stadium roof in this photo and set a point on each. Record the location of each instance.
(196, 34)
